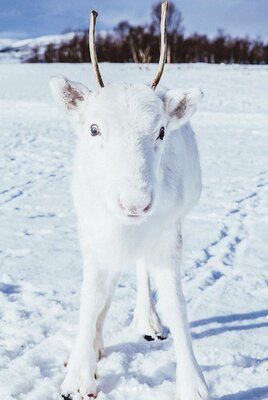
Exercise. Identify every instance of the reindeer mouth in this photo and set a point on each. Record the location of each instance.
(132, 219)
(135, 212)
(135, 215)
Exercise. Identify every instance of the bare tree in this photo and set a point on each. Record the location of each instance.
(122, 29)
(174, 18)
(139, 41)
(175, 28)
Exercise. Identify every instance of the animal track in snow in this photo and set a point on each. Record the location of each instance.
(219, 255)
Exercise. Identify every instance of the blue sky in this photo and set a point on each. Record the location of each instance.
(30, 18)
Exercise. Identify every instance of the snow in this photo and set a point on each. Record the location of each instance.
(43, 40)
(18, 50)
(225, 258)
(6, 43)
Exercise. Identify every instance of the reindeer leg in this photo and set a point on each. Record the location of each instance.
(145, 317)
(166, 269)
(97, 286)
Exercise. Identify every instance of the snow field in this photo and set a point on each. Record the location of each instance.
(225, 257)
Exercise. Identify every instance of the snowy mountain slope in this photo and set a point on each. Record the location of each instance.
(4, 43)
(12, 50)
(225, 259)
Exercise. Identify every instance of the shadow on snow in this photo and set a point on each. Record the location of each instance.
(223, 319)
(259, 393)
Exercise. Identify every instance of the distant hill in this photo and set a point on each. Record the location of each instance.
(12, 50)
(139, 44)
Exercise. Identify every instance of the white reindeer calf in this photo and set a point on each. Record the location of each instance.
(136, 174)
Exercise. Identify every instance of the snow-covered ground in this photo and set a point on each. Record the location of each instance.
(225, 259)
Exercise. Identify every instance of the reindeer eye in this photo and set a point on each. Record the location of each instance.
(161, 133)
(94, 130)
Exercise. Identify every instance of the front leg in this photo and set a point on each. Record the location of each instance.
(81, 369)
(191, 384)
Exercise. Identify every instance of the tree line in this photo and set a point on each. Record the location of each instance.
(140, 44)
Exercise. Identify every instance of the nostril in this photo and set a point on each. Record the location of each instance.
(134, 210)
(147, 208)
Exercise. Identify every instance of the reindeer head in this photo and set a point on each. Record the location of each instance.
(123, 129)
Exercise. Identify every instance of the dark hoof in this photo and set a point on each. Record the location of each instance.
(161, 337)
(148, 338)
(66, 397)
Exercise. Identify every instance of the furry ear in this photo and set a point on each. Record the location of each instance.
(70, 96)
(180, 105)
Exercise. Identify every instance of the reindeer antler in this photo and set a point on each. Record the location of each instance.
(163, 45)
(92, 47)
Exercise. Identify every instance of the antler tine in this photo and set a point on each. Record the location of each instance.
(163, 45)
(92, 47)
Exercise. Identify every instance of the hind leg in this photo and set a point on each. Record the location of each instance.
(145, 317)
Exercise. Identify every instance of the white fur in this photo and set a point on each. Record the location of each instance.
(116, 175)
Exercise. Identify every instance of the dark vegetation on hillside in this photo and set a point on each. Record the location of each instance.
(128, 43)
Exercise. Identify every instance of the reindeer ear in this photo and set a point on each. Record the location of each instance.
(180, 105)
(70, 96)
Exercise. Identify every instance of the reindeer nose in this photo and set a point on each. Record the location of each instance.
(135, 211)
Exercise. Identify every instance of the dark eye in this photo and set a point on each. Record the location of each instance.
(94, 130)
(161, 133)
